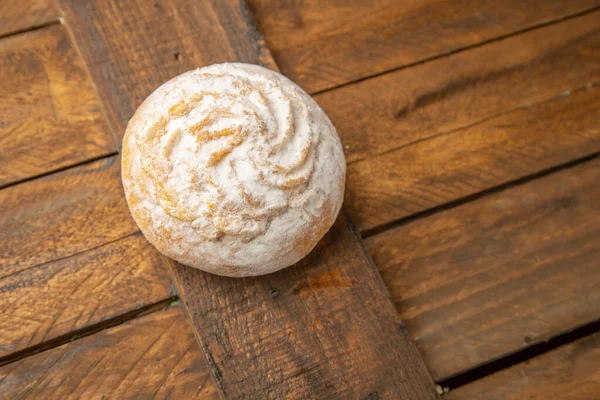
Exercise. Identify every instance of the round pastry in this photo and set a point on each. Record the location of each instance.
(233, 169)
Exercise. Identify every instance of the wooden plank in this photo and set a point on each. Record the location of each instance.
(19, 15)
(154, 41)
(50, 300)
(399, 108)
(448, 167)
(71, 256)
(61, 215)
(50, 116)
(321, 329)
(498, 274)
(570, 373)
(323, 44)
(328, 328)
(154, 356)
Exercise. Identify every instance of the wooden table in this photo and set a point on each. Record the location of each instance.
(472, 135)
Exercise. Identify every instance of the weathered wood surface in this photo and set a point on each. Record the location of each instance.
(498, 274)
(20, 15)
(328, 328)
(50, 117)
(50, 300)
(568, 373)
(448, 167)
(61, 215)
(323, 44)
(71, 256)
(400, 108)
(320, 329)
(149, 42)
(154, 356)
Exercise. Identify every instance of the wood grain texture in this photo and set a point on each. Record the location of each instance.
(498, 274)
(326, 328)
(50, 117)
(148, 42)
(322, 44)
(19, 15)
(399, 108)
(154, 356)
(323, 328)
(49, 300)
(448, 167)
(570, 373)
(61, 215)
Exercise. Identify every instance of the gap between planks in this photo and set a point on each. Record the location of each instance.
(62, 169)
(30, 28)
(459, 50)
(518, 357)
(89, 330)
(463, 200)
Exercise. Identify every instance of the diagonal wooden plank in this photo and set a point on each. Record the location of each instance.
(499, 274)
(153, 356)
(326, 43)
(154, 41)
(320, 329)
(323, 328)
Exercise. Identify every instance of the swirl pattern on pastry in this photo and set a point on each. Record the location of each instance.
(233, 169)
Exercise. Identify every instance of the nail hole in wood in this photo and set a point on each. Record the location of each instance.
(528, 339)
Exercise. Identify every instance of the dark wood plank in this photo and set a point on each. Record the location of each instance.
(50, 116)
(570, 373)
(451, 166)
(50, 300)
(323, 329)
(155, 41)
(399, 108)
(154, 356)
(320, 329)
(322, 44)
(61, 215)
(19, 15)
(501, 273)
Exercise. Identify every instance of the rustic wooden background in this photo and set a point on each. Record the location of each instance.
(472, 135)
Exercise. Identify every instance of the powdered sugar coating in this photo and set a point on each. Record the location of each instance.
(233, 169)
